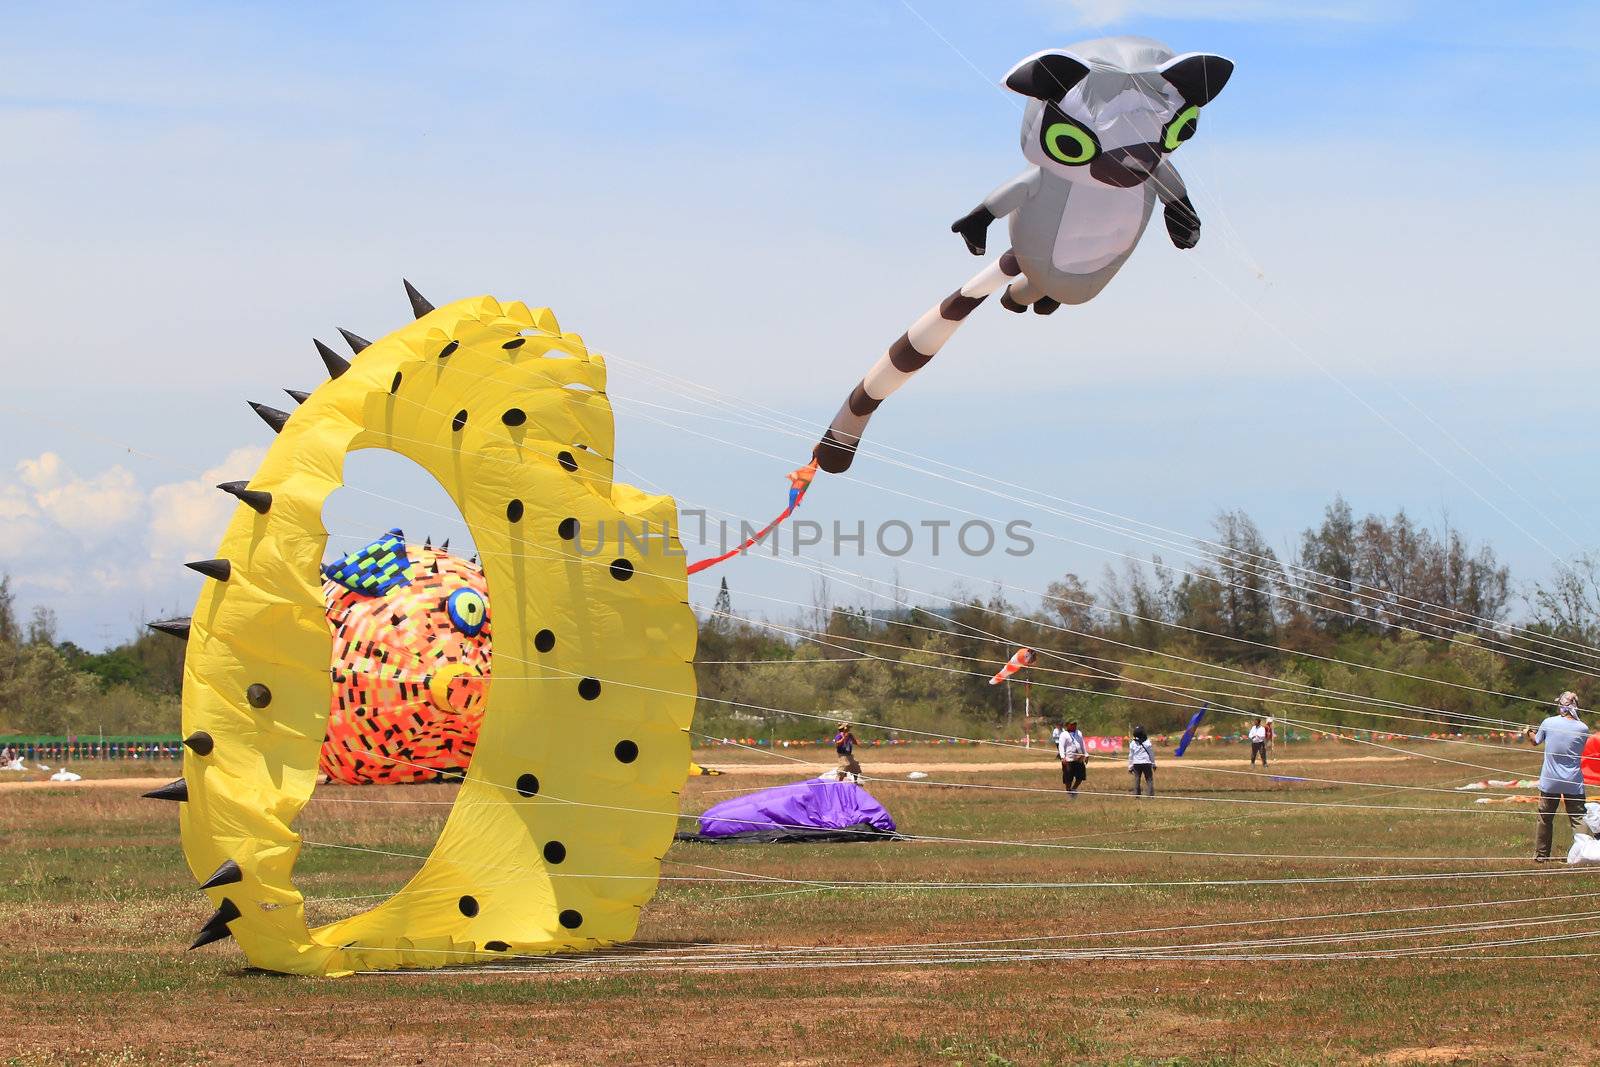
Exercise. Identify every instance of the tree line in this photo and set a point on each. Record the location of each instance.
(1366, 618)
(1375, 622)
(49, 686)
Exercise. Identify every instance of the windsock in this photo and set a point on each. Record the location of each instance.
(1188, 732)
(1023, 658)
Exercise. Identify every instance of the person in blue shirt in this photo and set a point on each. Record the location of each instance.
(1561, 779)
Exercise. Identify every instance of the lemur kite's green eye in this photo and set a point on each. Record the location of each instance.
(1181, 128)
(1066, 140)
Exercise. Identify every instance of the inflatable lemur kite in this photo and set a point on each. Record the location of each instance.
(1102, 120)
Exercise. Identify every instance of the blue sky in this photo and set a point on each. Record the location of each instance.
(1391, 298)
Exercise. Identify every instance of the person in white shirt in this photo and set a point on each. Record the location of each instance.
(1142, 762)
(1258, 743)
(1074, 757)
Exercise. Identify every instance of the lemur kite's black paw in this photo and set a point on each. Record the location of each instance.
(974, 229)
(1183, 224)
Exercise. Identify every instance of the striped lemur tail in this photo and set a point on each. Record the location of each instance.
(905, 357)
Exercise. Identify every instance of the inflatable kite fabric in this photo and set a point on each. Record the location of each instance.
(411, 651)
(583, 744)
(1585, 848)
(1589, 761)
(412, 644)
(813, 810)
(1101, 123)
(1023, 657)
(1188, 731)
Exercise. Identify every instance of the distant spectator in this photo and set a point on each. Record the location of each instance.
(1142, 762)
(1074, 756)
(844, 744)
(1258, 743)
(1561, 779)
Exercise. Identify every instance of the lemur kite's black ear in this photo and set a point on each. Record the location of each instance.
(1198, 77)
(1046, 75)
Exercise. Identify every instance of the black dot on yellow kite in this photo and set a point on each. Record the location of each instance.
(548, 767)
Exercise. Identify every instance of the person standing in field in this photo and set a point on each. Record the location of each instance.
(1561, 779)
(1258, 743)
(844, 744)
(1074, 757)
(1142, 762)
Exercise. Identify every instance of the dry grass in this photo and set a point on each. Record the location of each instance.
(96, 906)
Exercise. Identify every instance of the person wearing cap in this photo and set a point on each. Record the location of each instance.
(1142, 762)
(1074, 757)
(1561, 779)
(844, 743)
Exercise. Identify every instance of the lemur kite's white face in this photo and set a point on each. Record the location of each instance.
(1101, 124)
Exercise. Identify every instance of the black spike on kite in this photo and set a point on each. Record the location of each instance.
(335, 363)
(220, 569)
(444, 546)
(354, 340)
(271, 416)
(177, 627)
(419, 303)
(216, 927)
(227, 874)
(299, 396)
(256, 498)
(177, 789)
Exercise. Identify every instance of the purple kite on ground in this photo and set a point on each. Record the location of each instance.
(813, 810)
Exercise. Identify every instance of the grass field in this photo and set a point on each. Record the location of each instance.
(96, 908)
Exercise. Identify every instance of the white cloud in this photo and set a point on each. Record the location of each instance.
(91, 509)
(21, 528)
(1106, 12)
(52, 520)
(186, 519)
(15, 504)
